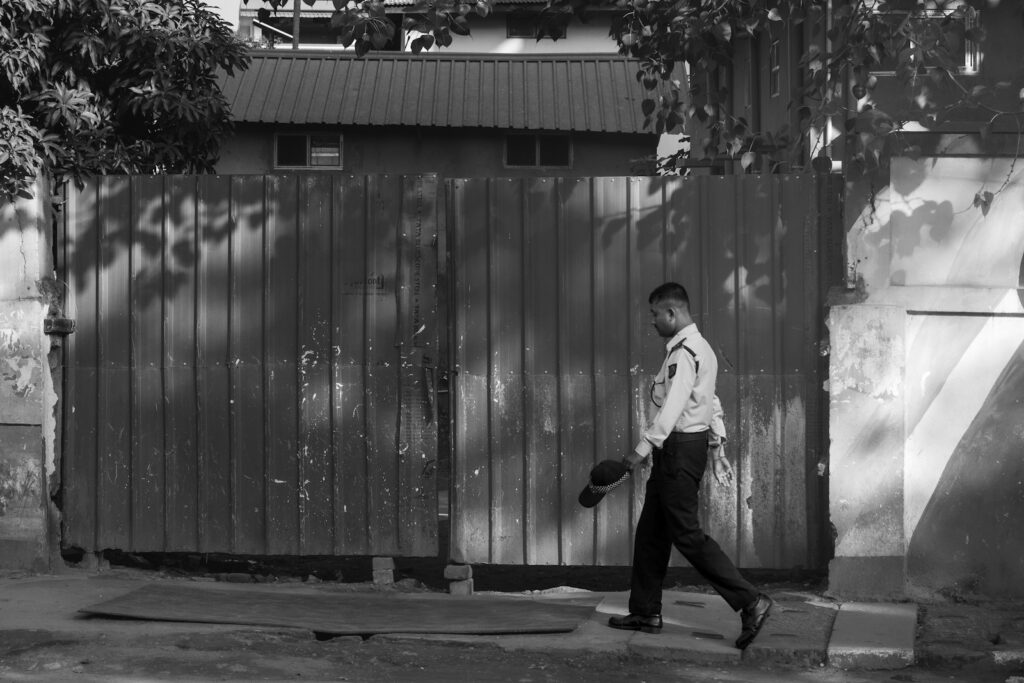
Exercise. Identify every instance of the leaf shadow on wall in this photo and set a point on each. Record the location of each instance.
(215, 327)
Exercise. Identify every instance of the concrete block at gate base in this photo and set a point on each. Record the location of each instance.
(381, 563)
(873, 636)
(383, 577)
(461, 587)
(458, 572)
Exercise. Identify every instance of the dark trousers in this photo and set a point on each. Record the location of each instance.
(669, 517)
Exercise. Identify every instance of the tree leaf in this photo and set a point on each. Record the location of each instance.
(460, 26)
(747, 159)
(983, 200)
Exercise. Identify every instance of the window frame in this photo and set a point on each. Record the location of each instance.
(536, 150)
(308, 166)
(535, 28)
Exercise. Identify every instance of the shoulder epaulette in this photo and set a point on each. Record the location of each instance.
(693, 353)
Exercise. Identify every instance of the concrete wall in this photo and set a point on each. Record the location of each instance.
(927, 386)
(459, 153)
(27, 397)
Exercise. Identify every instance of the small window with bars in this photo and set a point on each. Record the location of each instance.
(308, 151)
(550, 150)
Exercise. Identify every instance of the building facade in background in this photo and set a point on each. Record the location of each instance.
(499, 102)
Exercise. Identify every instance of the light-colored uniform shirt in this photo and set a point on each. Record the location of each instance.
(685, 391)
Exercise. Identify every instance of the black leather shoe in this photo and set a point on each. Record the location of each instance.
(635, 622)
(753, 616)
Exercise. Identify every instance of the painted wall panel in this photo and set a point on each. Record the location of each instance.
(316, 454)
(353, 284)
(212, 378)
(245, 367)
(417, 343)
(147, 424)
(79, 475)
(505, 301)
(243, 383)
(113, 504)
(542, 421)
(382, 363)
(592, 249)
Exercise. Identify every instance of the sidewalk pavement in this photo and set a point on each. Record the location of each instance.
(803, 631)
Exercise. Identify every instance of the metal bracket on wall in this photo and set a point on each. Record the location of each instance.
(59, 326)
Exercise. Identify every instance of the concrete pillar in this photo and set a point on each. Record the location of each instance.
(27, 397)
(866, 457)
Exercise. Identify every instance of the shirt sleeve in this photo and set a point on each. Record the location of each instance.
(668, 415)
(717, 435)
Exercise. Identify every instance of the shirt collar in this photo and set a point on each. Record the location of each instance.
(681, 335)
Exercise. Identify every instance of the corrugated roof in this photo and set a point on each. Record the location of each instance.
(527, 92)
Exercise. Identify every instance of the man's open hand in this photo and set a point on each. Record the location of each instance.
(720, 466)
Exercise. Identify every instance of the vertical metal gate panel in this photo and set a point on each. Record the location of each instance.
(252, 371)
(554, 354)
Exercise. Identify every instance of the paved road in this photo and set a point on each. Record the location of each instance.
(267, 655)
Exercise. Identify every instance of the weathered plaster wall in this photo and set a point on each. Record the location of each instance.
(926, 379)
(27, 397)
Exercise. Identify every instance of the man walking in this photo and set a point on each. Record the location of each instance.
(685, 433)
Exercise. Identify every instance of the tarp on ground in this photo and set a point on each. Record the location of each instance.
(349, 613)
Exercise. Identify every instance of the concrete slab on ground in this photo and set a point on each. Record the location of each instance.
(699, 628)
(873, 636)
(797, 632)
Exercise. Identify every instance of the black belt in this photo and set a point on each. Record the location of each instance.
(688, 436)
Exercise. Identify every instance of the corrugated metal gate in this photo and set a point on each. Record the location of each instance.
(252, 371)
(554, 357)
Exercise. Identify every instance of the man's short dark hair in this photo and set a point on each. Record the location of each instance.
(670, 291)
